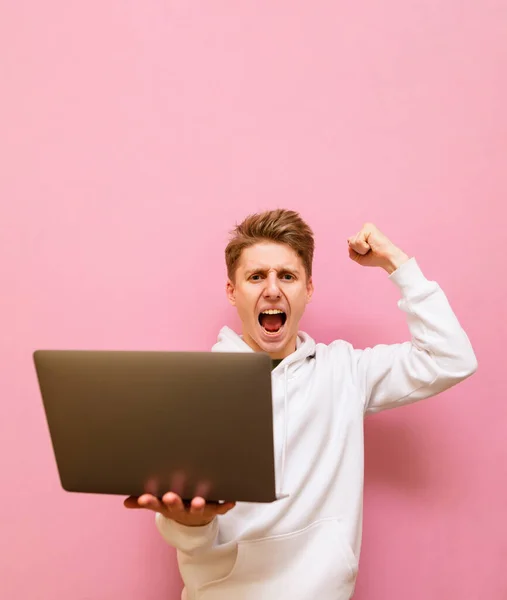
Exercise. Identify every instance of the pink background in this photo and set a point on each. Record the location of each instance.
(135, 134)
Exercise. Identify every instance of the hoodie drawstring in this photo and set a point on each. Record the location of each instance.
(285, 429)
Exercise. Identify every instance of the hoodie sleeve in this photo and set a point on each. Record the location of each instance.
(187, 539)
(438, 356)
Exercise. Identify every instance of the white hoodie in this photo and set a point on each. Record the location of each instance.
(306, 546)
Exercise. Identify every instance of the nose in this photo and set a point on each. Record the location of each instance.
(272, 289)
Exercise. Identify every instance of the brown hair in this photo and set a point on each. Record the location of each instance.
(280, 226)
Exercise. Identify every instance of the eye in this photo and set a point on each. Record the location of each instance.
(255, 277)
(287, 277)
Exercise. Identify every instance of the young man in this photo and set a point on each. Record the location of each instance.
(307, 545)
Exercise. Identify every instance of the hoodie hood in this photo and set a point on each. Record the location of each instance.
(230, 341)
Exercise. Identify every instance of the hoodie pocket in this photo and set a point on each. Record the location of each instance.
(312, 563)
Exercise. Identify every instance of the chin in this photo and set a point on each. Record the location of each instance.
(275, 343)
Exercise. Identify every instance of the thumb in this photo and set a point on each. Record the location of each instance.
(359, 245)
(224, 508)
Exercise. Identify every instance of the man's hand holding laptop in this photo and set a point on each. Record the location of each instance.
(197, 514)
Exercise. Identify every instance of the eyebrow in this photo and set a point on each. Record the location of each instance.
(264, 270)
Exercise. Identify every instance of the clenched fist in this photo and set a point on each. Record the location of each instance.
(371, 248)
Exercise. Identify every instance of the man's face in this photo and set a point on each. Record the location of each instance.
(270, 277)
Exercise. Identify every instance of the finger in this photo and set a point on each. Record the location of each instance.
(197, 505)
(202, 489)
(361, 248)
(359, 244)
(173, 502)
(150, 502)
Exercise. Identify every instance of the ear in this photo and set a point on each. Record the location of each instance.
(230, 290)
(309, 290)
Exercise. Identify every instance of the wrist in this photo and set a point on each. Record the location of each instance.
(395, 260)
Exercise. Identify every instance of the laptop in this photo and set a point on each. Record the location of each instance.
(135, 422)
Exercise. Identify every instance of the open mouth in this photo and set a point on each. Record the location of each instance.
(272, 321)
